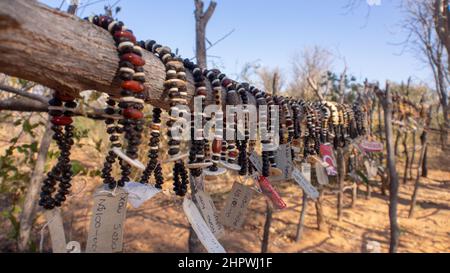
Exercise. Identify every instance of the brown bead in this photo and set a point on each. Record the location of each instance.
(134, 86)
(216, 146)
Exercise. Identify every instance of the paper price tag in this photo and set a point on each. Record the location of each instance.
(322, 176)
(306, 171)
(283, 160)
(256, 161)
(200, 227)
(371, 168)
(305, 184)
(326, 151)
(209, 212)
(56, 230)
(269, 191)
(236, 205)
(107, 221)
(139, 193)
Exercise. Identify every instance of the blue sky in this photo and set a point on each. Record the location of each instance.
(273, 31)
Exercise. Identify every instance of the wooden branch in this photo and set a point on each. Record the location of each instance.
(23, 93)
(30, 105)
(209, 11)
(67, 54)
(315, 88)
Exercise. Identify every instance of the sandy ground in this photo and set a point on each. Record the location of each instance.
(161, 226)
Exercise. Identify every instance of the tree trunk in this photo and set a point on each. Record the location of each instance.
(29, 206)
(301, 221)
(321, 224)
(397, 140)
(354, 195)
(405, 151)
(380, 130)
(413, 156)
(341, 177)
(425, 163)
(393, 177)
(267, 224)
(201, 21)
(86, 56)
(423, 140)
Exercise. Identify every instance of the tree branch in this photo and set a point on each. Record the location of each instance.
(314, 87)
(86, 56)
(209, 12)
(23, 93)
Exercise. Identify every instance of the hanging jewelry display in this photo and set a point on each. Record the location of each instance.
(61, 110)
(232, 99)
(175, 88)
(197, 151)
(216, 147)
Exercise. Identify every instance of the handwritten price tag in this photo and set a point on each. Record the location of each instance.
(200, 227)
(305, 184)
(139, 193)
(107, 221)
(236, 205)
(209, 212)
(269, 191)
(256, 161)
(56, 230)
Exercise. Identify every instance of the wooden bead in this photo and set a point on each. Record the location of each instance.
(132, 113)
(62, 120)
(134, 86)
(216, 146)
(133, 58)
(125, 34)
(63, 97)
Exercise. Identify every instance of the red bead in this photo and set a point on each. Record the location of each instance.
(132, 113)
(62, 120)
(134, 86)
(216, 146)
(232, 154)
(126, 34)
(64, 97)
(226, 82)
(133, 58)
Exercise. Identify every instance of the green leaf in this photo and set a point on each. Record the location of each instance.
(363, 176)
(77, 167)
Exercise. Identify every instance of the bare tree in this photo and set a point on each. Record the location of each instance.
(441, 16)
(271, 80)
(308, 70)
(421, 24)
(201, 20)
(386, 101)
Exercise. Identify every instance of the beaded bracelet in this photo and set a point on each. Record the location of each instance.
(62, 171)
(131, 102)
(216, 147)
(175, 88)
(242, 144)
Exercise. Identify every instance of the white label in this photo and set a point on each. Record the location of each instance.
(209, 212)
(199, 184)
(322, 176)
(139, 193)
(306, 171)
(200, 227)
(56, 230)
(284, 160)
(256, 161)
(107, 223)
(371, 168)
(305, 184)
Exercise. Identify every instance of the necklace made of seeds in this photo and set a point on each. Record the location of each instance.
(242, 144)
(232, 99)
(131, 102)
(197, 151)
(216, 147)
(61, 110)
(153, 164)
(175, 88)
